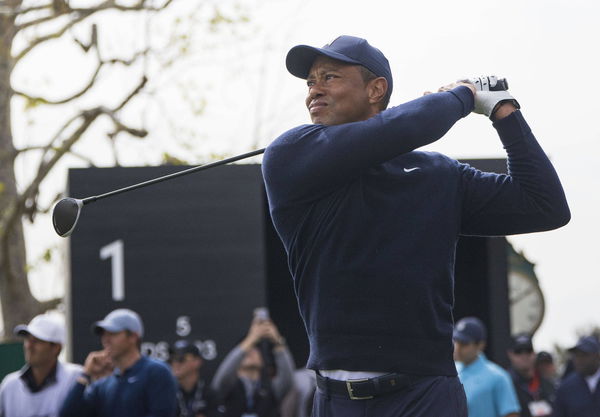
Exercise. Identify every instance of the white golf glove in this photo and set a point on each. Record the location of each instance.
(491, 92)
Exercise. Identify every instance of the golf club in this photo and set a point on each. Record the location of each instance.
(67, 211)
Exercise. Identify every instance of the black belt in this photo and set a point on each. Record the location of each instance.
(365, 389)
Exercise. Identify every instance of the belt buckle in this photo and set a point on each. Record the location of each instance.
(351, 391)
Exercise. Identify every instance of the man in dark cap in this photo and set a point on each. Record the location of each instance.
(195, 398)
(578, 395)
(370, 225)
(546, 366)
(535, 392)
(119, 381)
(489, 390)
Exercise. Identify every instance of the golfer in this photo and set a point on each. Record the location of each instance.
(370, 226)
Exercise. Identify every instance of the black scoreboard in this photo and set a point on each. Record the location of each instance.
(195, 255)
(187, 255)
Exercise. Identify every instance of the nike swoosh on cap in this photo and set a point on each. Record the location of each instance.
(411, 169)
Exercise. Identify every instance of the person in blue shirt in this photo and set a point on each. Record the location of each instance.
(578, 394)
(489, 388)
(119, 381)
(370, 225)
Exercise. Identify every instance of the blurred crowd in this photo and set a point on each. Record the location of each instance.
(531, 386)
(258, 377)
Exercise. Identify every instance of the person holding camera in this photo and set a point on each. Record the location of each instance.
(246, 382)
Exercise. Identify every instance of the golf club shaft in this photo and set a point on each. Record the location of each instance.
(171, 176)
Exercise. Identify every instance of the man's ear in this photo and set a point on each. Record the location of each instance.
(57, 348)
(377, 89)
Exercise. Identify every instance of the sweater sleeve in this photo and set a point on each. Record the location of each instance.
(282, 382)
(161, 394)
(226, 375)
(311, 160)
(529, 199)
(79, 402)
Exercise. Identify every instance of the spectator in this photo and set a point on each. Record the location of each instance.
(545, 366)
(488, 387)
(118, 380)
(40, 387)
(195, 398)
(535, 393)
(578, 394)
(245, 383)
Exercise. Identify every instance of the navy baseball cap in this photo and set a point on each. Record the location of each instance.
(469, 330)
(119, 320)
(521, 342)
(587, 344)
(181, 347)
(345, 48)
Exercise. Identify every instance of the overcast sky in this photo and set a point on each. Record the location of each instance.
(546, 49)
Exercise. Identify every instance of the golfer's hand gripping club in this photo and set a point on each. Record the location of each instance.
(491, 92)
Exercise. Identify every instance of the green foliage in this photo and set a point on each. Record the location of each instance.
(44, 257)
(220, 18)
(31, 103)
(168, 159)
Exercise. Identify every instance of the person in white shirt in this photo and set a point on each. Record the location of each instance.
(39, 388)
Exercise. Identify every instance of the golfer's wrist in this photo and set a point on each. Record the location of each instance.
(503, 110)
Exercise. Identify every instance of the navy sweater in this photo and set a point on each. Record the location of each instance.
(147, 389)
(370, 228)
(574, 399)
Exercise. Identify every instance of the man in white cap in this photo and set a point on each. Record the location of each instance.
(119, 381)
(40, 387)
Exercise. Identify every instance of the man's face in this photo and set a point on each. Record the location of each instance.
(586, 363)
(467, 352)
(185, 365)
(522, 360)
(337, 93)
(251, 365)
(38, 352)
(119, 344)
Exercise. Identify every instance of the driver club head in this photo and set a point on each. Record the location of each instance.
(65, 215)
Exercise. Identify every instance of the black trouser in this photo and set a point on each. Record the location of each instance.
(436, 396)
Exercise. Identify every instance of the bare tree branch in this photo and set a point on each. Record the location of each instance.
(38, 21)
(82, 14)
(19, 11)
(29, 196)
(91, 82)
(78, 155)
(135, 91)
(50, 304)
(93, 39)
(20, 204)
(127, 62)
(42, 39)
(85, 89)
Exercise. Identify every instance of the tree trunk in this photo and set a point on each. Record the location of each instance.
(18, 304)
